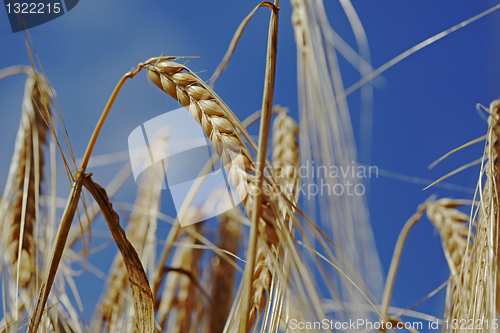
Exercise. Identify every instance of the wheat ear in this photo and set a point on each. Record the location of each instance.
(27, 167)
(165, 303)
(491, 189)
(454, 231)
(217, 121)
(475, 291)
(479, 297)
(286, 161)
(286, 153)
(224, 273)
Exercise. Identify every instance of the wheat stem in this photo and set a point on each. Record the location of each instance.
(104, 115)
(396, 257)
(57, 251)
(265, 125)
(234, 42)
(108, 106)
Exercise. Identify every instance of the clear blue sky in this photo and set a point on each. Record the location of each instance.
(425, 107)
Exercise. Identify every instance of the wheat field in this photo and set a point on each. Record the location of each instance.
(326, 117)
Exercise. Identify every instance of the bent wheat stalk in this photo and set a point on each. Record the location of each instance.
(141, 292)
(232, 46)
(396, 257)
(112, 305)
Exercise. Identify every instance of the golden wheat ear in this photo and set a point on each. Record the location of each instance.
(19, 210)
(224, 274)
(457, 239)
(327, 141)
(269, 284)
(473, 292)
(453, 229)
(482, 266)
(217, 121)
(285, 151)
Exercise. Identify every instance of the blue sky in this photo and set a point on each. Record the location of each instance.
(424, 107)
